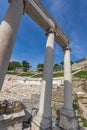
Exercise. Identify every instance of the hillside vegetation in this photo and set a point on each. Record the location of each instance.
(81, 74)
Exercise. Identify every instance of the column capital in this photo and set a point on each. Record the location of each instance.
(50, 30)
(23, 3)
(66, 48)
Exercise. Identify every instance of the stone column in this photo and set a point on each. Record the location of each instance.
(8, 32)
(43, 118)
(68, 120)
(67, 81)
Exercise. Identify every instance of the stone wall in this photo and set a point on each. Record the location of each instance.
(77, 82)
(79, 65)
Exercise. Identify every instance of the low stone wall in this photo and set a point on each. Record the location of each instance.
(11, 80)
(38, 81)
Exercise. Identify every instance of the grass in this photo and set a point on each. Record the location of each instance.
(26, 74)
(60, 74)
(54, 75)
(80, 117)
(37, 76)
(83, 120)
(81, 74)
(12, 73)
(20, 74)
(85, 124)
(75, 104)
(73, 71)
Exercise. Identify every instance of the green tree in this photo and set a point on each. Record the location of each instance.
(25, 65)
(13, 64)
(62, 63)
(72, 62)
(56, 67)
(40, 67)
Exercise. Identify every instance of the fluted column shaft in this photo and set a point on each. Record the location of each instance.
(8, 32)
(46, 93)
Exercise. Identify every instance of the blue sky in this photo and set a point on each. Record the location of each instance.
(30, 44)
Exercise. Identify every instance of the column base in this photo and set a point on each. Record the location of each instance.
(41, 123)
(67, 112)
(68, 120)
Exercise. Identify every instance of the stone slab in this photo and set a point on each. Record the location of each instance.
(12, 121)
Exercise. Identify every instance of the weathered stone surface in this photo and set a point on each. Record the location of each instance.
(68, 123)
(2, 107)
(85, 86)
(12, 121)
(42, 122)
(14, 107)
(7, 107)
(35, 127)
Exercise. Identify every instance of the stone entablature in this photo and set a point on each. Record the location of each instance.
(43, 18)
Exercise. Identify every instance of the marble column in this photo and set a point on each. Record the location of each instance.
(67, 81)
(43, 118)
(8, 32)
(68, 108)
(68, 120)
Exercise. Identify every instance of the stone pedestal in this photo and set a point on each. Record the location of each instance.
(12, 121)
(68, 122)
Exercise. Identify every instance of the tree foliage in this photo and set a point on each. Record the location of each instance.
(62, 63)
(72, 62)
(40, 67)
(13, 65)
(25, 65)
(56, 67)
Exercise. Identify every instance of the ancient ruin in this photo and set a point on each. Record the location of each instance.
(8, 32)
